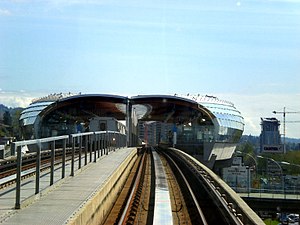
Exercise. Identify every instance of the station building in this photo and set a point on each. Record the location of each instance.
(204, 126)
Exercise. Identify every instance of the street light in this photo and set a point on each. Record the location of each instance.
(281, 171)
(243, 153)
(248, 173)
(290, 164)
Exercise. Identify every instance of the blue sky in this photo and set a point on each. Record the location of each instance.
(247, 52)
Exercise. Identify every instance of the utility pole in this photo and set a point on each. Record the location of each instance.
(283, 112)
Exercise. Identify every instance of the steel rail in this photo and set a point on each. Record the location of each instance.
(126, 211)
(200, 212)
(237, 210)
(31, 171)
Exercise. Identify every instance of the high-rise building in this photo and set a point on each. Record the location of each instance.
(270, 136)
(154, 132)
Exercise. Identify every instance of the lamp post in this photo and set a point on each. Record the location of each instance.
(248, 169)
(291, 164)
(243, 153)
(281, 171)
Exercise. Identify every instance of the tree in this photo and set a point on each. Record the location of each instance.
(7, 120)
(246, 147)
(16, 129)
(6, 129)
(3, 131)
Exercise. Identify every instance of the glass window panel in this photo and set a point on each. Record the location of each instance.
(29, 121)
(29, 114)
(37, 108)
(40, 104)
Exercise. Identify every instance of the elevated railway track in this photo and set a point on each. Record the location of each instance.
(189, 196)
(167, 186)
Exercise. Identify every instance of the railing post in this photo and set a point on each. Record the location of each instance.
(117, 141)
(12, 149)
(38, 167)
(73, 156)
(101, 144)
(121, 140)
(105, 144)
(108, 143)
(91, 147)
(18, 178)
(108, 146)
(98, 145)
(79, 153)
(52, 162)
(114, 142)
(63, 167)
(95, 147)
(85, 149)
(111, 142)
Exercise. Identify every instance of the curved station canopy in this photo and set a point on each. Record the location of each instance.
(86, 106)
(168, 109)
(203, 125)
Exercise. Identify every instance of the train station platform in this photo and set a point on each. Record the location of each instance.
(81, 199)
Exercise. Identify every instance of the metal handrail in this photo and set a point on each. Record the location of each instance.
(101, 142)
(228, 196)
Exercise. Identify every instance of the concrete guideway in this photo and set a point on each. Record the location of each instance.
(162, 207)
(78, 200)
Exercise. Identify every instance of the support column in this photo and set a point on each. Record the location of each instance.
(129, 123)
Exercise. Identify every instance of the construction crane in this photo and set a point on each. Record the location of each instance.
(284, 122)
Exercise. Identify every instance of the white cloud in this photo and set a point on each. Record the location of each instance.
(13, 101)
(16, 99)
(5, 12)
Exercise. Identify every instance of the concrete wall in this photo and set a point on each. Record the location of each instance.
(99, 205)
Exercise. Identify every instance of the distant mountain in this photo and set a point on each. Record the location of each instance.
(4, 108)
(292, 140)
(250, 138)
(256, 139)
(291, 143)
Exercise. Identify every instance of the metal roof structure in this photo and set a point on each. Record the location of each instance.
(77, 106)
(203, 122)
(165, 108)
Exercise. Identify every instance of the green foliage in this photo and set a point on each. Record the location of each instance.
(246, 147)
(16, 128)
(11, 126)
(7, 120)
(248, 150)
(3, 131)
(292, 157)
(271, 222)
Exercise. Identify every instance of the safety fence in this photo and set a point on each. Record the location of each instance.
(86, 147)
